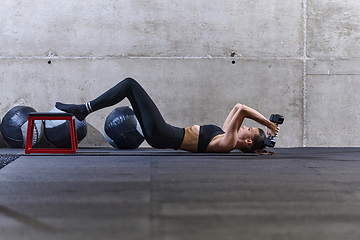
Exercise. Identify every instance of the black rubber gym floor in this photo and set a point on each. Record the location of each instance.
(298, 193)
(5, 159)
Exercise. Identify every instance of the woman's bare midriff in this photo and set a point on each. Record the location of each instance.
(191, 139)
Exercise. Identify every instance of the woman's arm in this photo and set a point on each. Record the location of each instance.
(230, 116)
(259, 118)
(231, 126)
(248, 113)
(235, 119)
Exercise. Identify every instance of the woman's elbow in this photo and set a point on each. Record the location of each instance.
(239, 106)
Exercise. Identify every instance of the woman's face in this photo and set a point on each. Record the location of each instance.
(245, 132)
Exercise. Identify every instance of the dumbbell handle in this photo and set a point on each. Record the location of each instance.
(277, 119)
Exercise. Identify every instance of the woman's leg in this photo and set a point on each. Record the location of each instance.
(156, 131)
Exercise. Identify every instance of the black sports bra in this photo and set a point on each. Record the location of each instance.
(206, 134)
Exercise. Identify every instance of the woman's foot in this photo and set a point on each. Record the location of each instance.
(79, 111)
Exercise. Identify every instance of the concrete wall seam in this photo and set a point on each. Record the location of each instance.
(305, 73)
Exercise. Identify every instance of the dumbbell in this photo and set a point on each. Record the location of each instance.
(277, 119)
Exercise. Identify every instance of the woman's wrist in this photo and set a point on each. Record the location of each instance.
(268, 124)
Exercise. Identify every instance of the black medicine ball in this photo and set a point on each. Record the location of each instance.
(14, 126)
(122, 129)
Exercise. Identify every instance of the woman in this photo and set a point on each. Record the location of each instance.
(159, 134)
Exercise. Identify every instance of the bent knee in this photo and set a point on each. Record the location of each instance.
(130, 81)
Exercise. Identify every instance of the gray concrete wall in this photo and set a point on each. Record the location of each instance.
(298, 58)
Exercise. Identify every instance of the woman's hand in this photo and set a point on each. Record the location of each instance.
(273, 131)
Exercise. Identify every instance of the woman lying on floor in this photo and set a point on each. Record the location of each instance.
(159, 134)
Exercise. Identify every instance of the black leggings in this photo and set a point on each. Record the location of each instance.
(156, 131)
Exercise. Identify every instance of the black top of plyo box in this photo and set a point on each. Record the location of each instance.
(49, 114)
